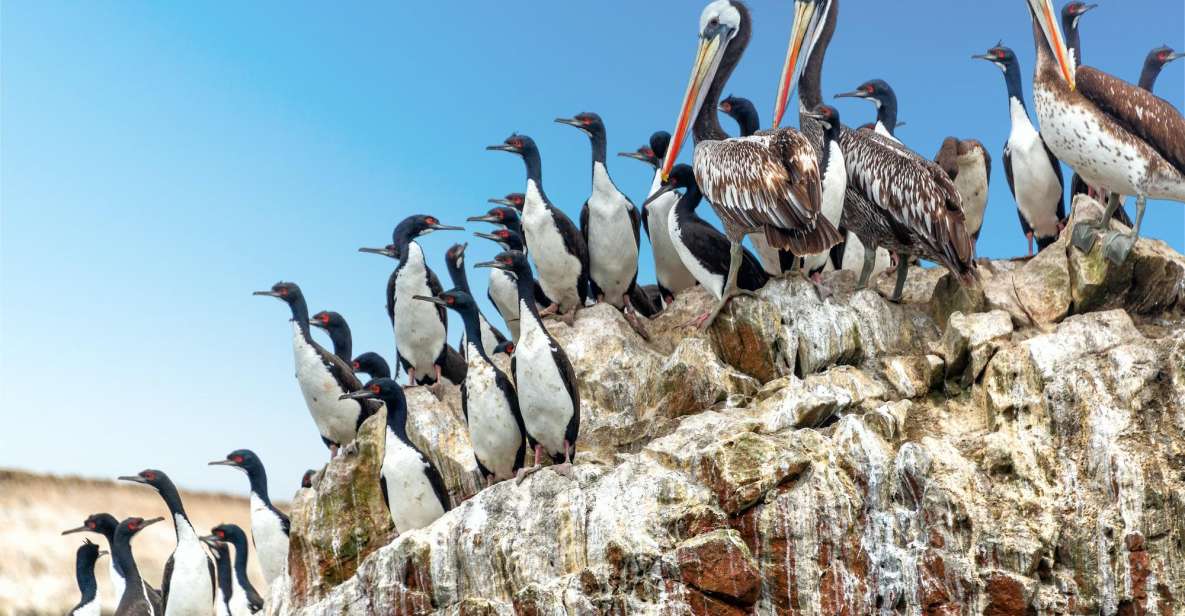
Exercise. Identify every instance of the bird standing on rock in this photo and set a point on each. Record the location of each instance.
(968, 164)
(269, 526)
(138, 598)
(548, 394)
(411, 485)
(488, 399)
(323, 376)
(89, 603)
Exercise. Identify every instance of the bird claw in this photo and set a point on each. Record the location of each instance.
(525, 472)
(569, 317)
(1083, 236)
(437, 389)
(636, 324)
(1117, 246)
(350, 449)
(564, 470)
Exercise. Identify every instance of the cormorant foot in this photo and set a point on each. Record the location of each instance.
(525, 472)
(636, 324)
(1117, 246)
(564, 470)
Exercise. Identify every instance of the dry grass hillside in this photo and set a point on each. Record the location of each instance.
(37, 570)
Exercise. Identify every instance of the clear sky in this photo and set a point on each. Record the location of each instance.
(160, 161)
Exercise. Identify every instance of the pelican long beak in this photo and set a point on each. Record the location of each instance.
(1047, 18)
(806, 20)
(707, 61)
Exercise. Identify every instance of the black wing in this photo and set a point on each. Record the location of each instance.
(391, 295)
(1008, 171)
(383, 486)
(453, 366)
(164, 584)
(213, 577)
(646, 221)
(633, 211)
(507, 389)
(285, 523)
(568, 375)
(574, 244)
(584, 222)
(1061, 183)
(436, 289)
(436, 480)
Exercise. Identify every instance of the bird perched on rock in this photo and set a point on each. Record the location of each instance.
(455, 261)
(969, 165)
(269, 526)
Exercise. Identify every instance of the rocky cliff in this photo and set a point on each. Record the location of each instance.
(1012, 450)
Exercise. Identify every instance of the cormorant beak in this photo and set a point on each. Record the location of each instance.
(636, 156)
(1047, 18)
(486, 218)
(102, 553)
(1175, 56)
(150, 522)
(222, 463)
(134, 479)
(853, 94)
(497, 201)
(574, 123)
(487, 236)
(439, 227)
(703, 70)
(361, 394)
(977, 56)
(380, 251)
(1085, 8)
(493, 264)
(666, 188)
(503, 147)
(268, 293)
(434, 300)
(80, 529)
(806, 20)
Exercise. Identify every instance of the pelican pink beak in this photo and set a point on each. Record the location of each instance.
(1047, 18)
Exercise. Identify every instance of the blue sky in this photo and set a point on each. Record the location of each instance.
(160, 161)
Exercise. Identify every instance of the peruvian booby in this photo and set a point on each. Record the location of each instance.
(556, 244)
(269, 526)
(322, 376)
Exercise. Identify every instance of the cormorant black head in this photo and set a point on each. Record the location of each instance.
(876, 90)
(418, 225)
(511, 261)
(242, 459)
(1162, 55)
(507, 239)
(1001, 56)
(743, 111)
(373, 364)
(329, 321)
(1072, 11)
(87, 554)
(130, 526)
(516, 144)
(152, 477)
(588, 122)
(383, 389)
(455, 299)
(289, 292)
(455, 255)
(682, 176)
(828, 116)
(229, 533)
(307, 480)
(506, 346)
(102, 523)
(505, 216)
(645, 154)
(514, 200)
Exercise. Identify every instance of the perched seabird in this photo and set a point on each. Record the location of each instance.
(104, 524)
(1112, 133)
(895, 198)
(372, 364)
(705, 251)
(455, 261)
(502, 289)
(223, 576)
(1153, 64)
(672, 275)
(744, 112)
(1034, 173)
(245, 599)
(187, 587)
(548, 393)
(969, 165)
(306, 480)
(89, 603)
(882, 95)
(488, 399)
(411, 485)
(322, 376)
(513, 200)
(835, 185)
(138, 598)
(339, 332)
(766, 183)
(269, 525)
(1071, 13)
(421, 331)
(557, 247)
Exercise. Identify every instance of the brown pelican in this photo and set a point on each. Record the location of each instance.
(895, 198)
(1112, 133)
(768, 182)
(969, 165)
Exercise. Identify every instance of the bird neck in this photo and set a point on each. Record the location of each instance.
(598, 139)
(240, 543)
(172, 499)
(747, 119)
(1149, 74)
(456, 272)
(886, 113)
(222, 565)
(707, 121)
(1073, 43)
(534, 166)
(343, 343)
(258, 478)
(121, 553)
(685, 208)
(1015, 90)
(473, 331)
(84, 571)
(810, 83)
(526, 291)
(397, 418)
(300, 314)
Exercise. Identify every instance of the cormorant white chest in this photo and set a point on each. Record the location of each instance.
(419, 332)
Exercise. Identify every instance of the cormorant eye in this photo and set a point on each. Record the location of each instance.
(374, 389)
(869, 89)
(450, 300)
(430, 220)
(237, 459)
(357, 366)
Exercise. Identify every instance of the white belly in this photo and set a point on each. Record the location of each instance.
(612, 252)
(708, 280)
(337, 420)
(411, 499)
(238, 600)
(504, 294)
(542, 397)
(220, 608)
(835, 183)
(419, 333)
(191, 591)
(559, 271)
(668, 267)
(1079, 140)
(271, 544)
(493, 430)
(1037, 188)
(91, 608)
(972, 183)
(117, 583)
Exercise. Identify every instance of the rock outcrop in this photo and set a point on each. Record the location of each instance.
(1017, 449)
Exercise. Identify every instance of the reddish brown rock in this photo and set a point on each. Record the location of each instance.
(720, 563)
(1005, 595)
(703, 605)
(740, 470)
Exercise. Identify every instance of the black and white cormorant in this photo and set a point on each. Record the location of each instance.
(222, 575)
(548, 393)
(1153, 64)
(705, 251)
(138, 598)
(768, 182)
(881, 94)
(744, 112)
(1110, 132)
(455, 261)
(104, 524)
(1071, 13)
(187, 586)
(611, 227)
(488, 398)
(322, 376)
(412, 487)
(502, 288)
(89, 603)
(421, 331)
(339, 332)
(513, 200)
(245, 600)
(372, 364)
(1034, 173)
(896, 198)
(556, 244)
(835, 185)
(969, 165)
(669, 270)
(269, 525)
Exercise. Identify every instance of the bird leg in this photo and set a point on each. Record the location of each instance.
(1083, 236)
(869, 265)
(411, 377)
(550, 310)
(730, 285)
(631, 317)
(438, 387)
(902, 274)
(350, 449)
(820, 288)
(565, 469)
(524, 472)
(1029, 237)
(569, 317)
(333, 450)
(696, 321)
(1117, 246)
